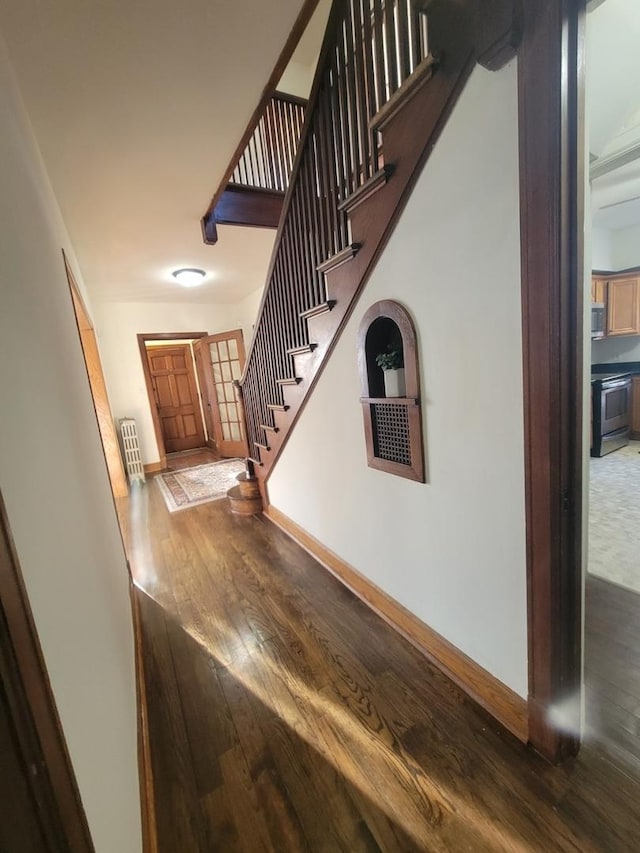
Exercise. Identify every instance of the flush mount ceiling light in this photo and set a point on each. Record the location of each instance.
(189, 277)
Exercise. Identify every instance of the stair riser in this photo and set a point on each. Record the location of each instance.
(245, 506)
(250, 490)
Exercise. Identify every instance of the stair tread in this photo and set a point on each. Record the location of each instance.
(269, 428)
(321, 308)
(302, 350)
(341, 257)
(245, 478)
(277, 407)
(289, 380)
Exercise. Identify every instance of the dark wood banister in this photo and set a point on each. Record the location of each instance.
(307, 10)
(313, 97)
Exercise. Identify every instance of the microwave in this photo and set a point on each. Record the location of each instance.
(598, 320)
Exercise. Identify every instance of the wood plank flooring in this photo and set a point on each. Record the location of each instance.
(612, 669)
(285, 716)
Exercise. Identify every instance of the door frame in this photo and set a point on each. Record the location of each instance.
(97, 385)
(552, 162)
(32, 709)
(142, 340)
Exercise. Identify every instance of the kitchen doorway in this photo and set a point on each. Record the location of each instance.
(612, 391)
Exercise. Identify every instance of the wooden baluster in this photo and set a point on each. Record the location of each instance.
(390, 47)
(298, 256)
(264, 155)
(308, 176)
(288, 152)
(414, 35)
(403, 41)
(360, 72)
(307, 237)
(255, 161)
(381, 76)
(323, 173)
(329, 160)
(280, 124)
(352, 110)
(336, 123)
(281, 179)
(369, 73)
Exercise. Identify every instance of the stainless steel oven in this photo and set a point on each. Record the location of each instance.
(611, 401)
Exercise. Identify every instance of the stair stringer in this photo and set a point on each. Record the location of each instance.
(427, 107)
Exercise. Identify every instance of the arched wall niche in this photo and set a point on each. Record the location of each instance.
(392, 421)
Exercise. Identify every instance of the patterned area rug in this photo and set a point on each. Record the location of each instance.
(614, 517)
(199, 485)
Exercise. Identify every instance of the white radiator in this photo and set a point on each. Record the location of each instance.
(131, 449)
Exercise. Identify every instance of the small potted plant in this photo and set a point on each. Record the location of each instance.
(392, 365)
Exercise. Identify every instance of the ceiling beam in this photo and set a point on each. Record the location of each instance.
(604, 165)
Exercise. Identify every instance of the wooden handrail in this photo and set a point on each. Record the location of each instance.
(370, 49)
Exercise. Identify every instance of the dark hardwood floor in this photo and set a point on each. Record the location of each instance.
(612, 670)
(285, 716)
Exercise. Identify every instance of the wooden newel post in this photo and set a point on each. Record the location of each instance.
(243, 422)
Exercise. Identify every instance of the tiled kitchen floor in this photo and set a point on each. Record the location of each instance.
(614, 517)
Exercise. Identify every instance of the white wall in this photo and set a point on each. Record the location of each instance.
(297, 79)
(54, 481)
(626, 248)
(624, 253)
(601, 249)
(453, 550)
(117, 326)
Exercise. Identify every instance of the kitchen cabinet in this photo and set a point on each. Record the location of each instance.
(623, 306)
(635, 409)
(599, 289)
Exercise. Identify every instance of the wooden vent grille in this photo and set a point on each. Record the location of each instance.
(391, 432)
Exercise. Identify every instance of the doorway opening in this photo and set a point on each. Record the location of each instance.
(193, 398)
(612, 387)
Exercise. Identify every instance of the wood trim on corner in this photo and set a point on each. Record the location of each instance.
(145, 768)
(153, 468)
(550, 93)
(98, 388)
(496, 698)
(54, 786)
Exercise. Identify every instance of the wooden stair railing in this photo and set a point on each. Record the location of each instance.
(255, 193)
(388, 77)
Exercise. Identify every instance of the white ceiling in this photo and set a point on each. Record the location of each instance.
(613, 107)
(137, 106)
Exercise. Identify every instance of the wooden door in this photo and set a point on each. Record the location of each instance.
(223, 358)
(176, 397)
(207, 391)
(98, 387)
(623, 306)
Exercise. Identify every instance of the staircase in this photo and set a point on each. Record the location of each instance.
(255, 193)
(388, 77)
